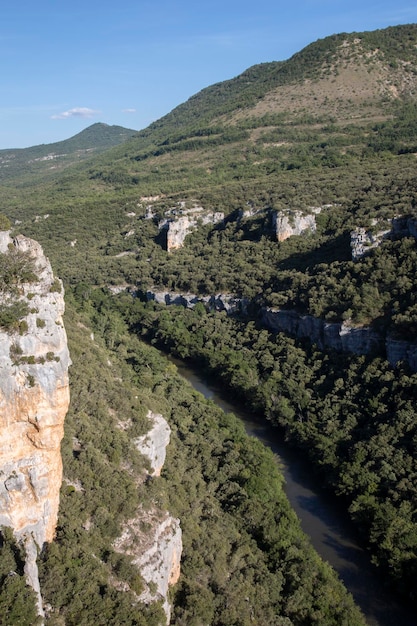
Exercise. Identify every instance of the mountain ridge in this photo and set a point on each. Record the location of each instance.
(282, 141)
(315, 59)
(37, 159)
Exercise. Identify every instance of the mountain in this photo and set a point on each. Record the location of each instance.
(291, 189)
(56, 156)
(326, 138)
(341, 73)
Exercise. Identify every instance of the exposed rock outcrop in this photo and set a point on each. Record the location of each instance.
(216, 302)
(339, 336)
(160, 564)
(34, 398)
(363, 240)
(288, 222)
(156, 552)
(177, 231)
(180, 221)
(153, 444)
(400, 350)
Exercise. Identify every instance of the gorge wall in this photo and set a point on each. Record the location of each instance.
(34, 397)
(339, 336)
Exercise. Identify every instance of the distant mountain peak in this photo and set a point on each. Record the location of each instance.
(36, 160)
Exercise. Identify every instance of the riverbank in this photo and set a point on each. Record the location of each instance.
(331, 532)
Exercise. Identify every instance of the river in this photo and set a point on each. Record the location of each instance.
(322, 519)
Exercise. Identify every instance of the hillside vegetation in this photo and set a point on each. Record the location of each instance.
(329, 133)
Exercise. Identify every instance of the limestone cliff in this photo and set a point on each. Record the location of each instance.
(339, 336)
(287, 223)
(153, 444)
(156, 551)
(34, 397)
(215, 302)
(179, 221)
(154, 538)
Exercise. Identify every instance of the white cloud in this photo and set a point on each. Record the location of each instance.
(128, 110)
(76, 112)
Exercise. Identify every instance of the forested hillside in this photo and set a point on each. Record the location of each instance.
(329, 137)
(46, 159)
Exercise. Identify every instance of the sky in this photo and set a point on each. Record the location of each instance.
(66, 65)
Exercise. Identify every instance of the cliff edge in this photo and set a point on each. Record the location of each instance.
(34, 395)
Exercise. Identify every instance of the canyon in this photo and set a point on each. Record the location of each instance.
(338, 336)
(34, 400)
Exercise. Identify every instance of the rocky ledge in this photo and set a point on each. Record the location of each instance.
(338, 336)
(217, 302)
(287, 223)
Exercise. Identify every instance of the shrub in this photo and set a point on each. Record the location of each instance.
(56, 286)
(5, 223)
(23, 327)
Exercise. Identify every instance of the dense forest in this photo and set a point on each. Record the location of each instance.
(330, 133)
(354, 417)
(244, 557)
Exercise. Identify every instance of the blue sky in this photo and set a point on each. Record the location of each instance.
(66, 65)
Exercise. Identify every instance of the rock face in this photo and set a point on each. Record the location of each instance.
(179, 222)
(160, 564)
(400, 350)
(362, 240)
(217, 302)
(288, 223)
(34, 398)
(177, 232)
(156, 552)
(339, 336)
(153, 444)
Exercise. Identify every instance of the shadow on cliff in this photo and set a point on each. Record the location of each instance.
(334, 250)
(161, 239)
